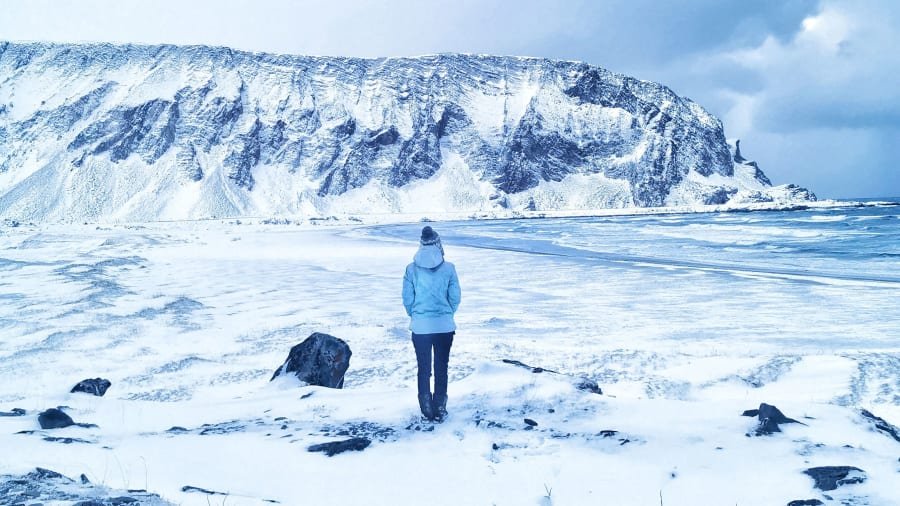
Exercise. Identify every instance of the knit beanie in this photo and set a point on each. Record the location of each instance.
(429, 237)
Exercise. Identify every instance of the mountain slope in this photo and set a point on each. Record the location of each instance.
(97, 132)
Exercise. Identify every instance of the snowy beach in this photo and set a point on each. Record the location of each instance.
(684, 321)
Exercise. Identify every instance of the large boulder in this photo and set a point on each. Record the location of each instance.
(95, 386)
(54, 419)
(320, 360)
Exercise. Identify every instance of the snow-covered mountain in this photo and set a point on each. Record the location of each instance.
(100, 132)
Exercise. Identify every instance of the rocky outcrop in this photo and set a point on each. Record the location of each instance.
(832, 477)
(881, 425)
(43, 486)
(95, 386)
(320, 360)
(327, 135)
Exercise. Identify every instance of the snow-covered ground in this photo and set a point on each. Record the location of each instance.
(685, 321)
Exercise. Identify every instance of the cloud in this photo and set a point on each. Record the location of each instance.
(836, 72)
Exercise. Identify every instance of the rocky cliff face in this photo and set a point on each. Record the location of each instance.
(167, 132)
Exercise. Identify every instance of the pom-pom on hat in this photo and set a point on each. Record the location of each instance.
(429, 237)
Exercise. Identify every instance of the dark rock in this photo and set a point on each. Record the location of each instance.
(526, 366)
(880, 424)
(607, 433)
(319, 360)
(40, 473)
(331, 449)
(805, 502)
(221, 428)
(832, 477)
(750, 412)
(529, 421)
(121, 500)
(176, 430)
(14, 412)
(65, 440)
(54, 419)
(85, 480)
(770, 418)
(96, 386)
(588, 385)
(737, 152)
(189, 488)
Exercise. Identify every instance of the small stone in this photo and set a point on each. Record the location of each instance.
(529, 421)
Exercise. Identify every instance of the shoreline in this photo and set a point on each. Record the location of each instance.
(358, 219)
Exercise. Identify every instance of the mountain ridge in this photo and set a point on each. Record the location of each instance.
(148, 132)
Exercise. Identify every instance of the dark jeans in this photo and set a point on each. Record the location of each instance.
(441, 344)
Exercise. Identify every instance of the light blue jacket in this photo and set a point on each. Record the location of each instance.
(431, 292)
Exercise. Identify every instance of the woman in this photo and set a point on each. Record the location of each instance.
(431, 296)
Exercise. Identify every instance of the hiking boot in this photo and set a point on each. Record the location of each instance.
(426, 406)
(439, 404)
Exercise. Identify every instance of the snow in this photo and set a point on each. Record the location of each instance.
(190, 319)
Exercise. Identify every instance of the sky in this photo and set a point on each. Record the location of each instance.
(811, 87)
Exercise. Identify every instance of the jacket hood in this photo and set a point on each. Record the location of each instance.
(429, 256)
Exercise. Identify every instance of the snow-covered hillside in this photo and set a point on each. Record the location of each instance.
(684, 322)
(103, 132)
